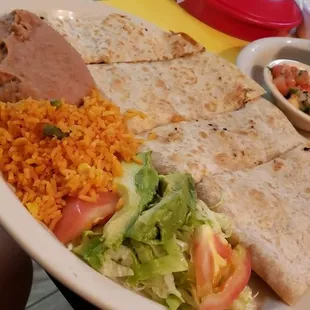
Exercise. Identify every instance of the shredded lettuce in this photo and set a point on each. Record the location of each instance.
(161, 266)
(112, 269)
(158, 224)
(163, 286)
(144, 251)
(163, 289)
(245, 301)
(173, 302)
(186, 307)
(147, 245)
(117, 263)
(219, 222)
(91, 250)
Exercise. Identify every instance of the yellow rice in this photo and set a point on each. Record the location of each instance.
(45, 170)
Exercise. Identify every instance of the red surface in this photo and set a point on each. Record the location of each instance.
(247, 19)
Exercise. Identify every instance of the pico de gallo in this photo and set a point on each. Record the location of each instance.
(293, 84)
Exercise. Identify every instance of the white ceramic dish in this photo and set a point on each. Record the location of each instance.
(53, 256)
(298, 118)
(257, 55)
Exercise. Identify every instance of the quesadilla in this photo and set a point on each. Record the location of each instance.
(118, 38)
(269, 206)
(231, 141)
(189, 88)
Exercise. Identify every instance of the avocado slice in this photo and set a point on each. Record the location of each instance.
(137, 187)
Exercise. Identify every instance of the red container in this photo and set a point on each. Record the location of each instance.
(247, 19)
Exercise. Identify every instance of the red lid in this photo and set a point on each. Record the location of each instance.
(266, 12)
(247, 19)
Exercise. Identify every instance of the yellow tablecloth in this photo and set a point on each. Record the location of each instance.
(168, 15)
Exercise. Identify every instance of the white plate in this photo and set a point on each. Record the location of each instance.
(53, 256)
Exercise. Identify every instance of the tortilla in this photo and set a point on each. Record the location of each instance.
(193, 87)
(269, 206)
(231, 141)
(117, 38)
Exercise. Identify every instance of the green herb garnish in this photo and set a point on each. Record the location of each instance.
(301, 71)
(293, 91)
(305, 109)
(50, 130)
(55, 103)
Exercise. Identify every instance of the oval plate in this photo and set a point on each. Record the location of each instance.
(41, 245)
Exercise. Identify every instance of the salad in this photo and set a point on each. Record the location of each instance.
(294, 85)
(156, 238)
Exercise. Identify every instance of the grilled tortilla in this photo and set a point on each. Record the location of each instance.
(269, 206)
(231, 141)
(117, 38)
(194, 87)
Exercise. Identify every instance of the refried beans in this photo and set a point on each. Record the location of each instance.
(37, 61)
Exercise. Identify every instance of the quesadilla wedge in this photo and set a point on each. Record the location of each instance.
(118, 38)
(269, 207)
(230, 141)
(199, 86)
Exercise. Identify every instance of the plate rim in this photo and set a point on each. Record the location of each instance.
(94, 285)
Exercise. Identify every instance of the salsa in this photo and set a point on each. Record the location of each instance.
(293, 84)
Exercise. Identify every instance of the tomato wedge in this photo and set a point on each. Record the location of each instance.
(302, 78)
(210, 255)
(222, 247)
(280, 83)
(276, 70)
(79, 215)
(203, 260)
(235, 283)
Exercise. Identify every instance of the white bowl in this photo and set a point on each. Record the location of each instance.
(298, 118)
(257, 55)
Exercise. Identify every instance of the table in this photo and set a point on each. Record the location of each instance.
(169, 16)
(74, 300)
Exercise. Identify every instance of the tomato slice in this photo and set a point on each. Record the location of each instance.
(276, 70)
(286, 70)
(302, 78)
(222, 247)
(305, 87)
(211, 254)
(235, 283)
(280, 83)
(79, 215)
(290, 81)
(294, 71)
(203, 260)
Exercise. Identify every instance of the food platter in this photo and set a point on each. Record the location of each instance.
(65, 266)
